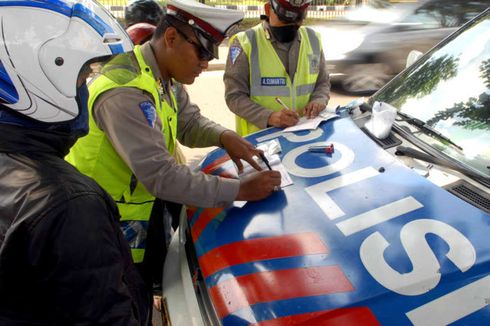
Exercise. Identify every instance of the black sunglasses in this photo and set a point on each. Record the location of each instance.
(202, 53)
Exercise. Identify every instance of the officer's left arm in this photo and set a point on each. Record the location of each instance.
(193, 129)
(321, 94)
(239, 149)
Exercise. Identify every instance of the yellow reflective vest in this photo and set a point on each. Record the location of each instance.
(94, 155)
(268, 77)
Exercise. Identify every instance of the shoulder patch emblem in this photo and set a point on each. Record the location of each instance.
(314, 63)
(149, 112)
(234, 53)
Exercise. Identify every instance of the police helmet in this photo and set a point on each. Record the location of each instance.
(210, 25)
(290, 11)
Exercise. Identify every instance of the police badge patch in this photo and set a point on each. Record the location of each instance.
(149, 112)
(314, 63)
(234, 53)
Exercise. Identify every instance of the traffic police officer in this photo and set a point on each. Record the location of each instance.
(141, 18)
(277, 58)
(138, 108)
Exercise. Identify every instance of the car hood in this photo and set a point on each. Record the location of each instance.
(357, 239)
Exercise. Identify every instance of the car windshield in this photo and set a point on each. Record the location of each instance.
(449, 90)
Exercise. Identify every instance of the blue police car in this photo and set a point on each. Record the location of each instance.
(391, 231)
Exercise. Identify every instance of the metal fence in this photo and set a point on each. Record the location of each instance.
(319, 9)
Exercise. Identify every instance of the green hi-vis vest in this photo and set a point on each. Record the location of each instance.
(94, 155)
(268, 77)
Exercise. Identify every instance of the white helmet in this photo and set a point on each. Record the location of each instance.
(290, 11)
(44, 46)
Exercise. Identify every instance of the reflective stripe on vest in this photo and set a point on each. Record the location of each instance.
(268, 77)
(94, 156)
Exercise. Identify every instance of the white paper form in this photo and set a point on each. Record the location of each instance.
(310, 124)
(271, 149)
(275, 163)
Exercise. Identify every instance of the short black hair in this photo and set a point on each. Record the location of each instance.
(143, 11)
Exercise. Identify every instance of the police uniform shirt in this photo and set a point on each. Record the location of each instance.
(237, 79)
(141, 143)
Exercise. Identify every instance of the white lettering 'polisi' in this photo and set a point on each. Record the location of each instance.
(289, 161)
(425, 274)
(378, 215)
(453, 306)
(292, 137)
(319, 191)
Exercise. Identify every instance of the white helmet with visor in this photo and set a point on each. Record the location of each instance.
(47, 48)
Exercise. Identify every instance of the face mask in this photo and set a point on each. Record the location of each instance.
(285, 34)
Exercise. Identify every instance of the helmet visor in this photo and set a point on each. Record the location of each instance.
(121, 68)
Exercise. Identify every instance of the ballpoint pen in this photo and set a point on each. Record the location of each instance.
(266, 161)
(329, 149)
(278, 100)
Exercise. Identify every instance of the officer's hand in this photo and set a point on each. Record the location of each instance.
(239, 149)
(313, 109)
(259, 185)
(284, 118)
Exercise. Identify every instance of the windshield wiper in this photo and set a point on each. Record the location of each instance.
(425, 128)
(411, 152)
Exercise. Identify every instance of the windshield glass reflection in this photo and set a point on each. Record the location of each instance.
(450, 91)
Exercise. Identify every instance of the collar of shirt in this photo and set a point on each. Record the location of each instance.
(150, 59)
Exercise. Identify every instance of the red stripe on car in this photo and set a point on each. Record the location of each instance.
(245, 251)
(216, 164)
(243, 291)
(337, 317)
(205, 217)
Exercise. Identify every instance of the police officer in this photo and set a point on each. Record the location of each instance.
(141, 18)
(138, 108)
(63, 257)
(277, 58)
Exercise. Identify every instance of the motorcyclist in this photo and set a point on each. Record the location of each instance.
(63, 258)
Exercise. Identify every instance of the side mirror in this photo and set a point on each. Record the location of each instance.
(413, 56)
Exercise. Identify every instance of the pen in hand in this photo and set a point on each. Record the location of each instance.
(265, 160)
(278, 100)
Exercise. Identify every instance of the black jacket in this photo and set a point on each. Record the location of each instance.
(63, 258)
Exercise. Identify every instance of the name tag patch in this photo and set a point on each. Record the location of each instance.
(273, 81)
(149, 111)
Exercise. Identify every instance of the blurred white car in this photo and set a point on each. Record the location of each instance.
(370, 46)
